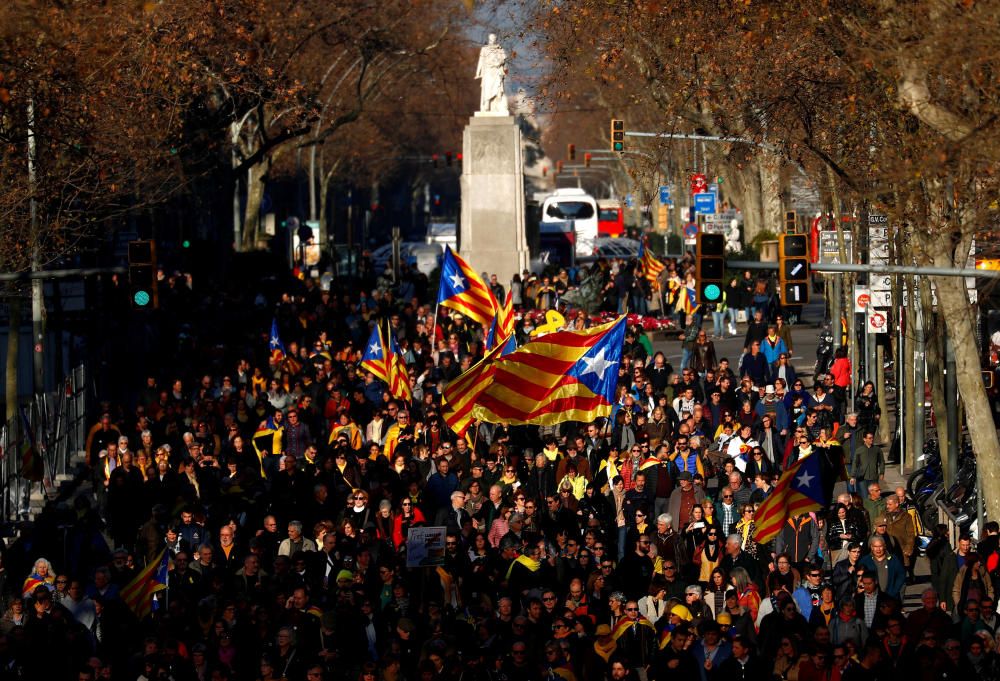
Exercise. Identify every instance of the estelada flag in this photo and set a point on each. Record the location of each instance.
(374, 359)
(464, 291)
(650, 265)
(399, 377)
(138, 594)
(562, 376)
(503, 325)
(624, 624)
(799, 490)
(274, 343)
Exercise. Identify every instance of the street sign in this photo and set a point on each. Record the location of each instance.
(629, 201)
(880, 282)
(862, 298)
(881, 299)
(704, 203)
(716, 224)
(878, 321)
(665, 199)
(691, 230)
(714, 188)
(699, 183)
(878, 251)
(829, 250)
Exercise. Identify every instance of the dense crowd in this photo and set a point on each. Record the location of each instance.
(283, 491)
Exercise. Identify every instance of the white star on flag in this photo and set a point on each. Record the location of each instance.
(596, 365)
(457, 281)
(374, 349)
(805, 479)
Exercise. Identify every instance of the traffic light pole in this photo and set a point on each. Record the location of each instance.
(874, 269)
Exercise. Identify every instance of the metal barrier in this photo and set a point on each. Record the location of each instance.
(38, 443)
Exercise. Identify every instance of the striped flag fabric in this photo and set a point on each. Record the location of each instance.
(459, 398)
(138, 594)
(650, 266)
(398, 375)
(799, 490)
(562, 376)
(464, 291)
(503, 323)
(374, 359)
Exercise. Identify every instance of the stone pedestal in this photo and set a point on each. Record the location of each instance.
(492, 237)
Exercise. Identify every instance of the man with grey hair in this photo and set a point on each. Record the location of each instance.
(670, 545)
(295, 541)
(454, 516)
(887, 569)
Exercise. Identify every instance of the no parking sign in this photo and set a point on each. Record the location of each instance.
(878, 321)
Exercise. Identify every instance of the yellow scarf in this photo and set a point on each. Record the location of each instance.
(527, 562)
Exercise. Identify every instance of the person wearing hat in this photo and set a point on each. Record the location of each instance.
(597, 657)
(683, 499)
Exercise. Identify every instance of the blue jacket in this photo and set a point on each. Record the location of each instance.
(772, 352)
(725, 651)
(897, 574)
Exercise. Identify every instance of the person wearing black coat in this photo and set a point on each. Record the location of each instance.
(743, 665)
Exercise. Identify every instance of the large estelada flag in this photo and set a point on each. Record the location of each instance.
(650, 265)
(138, 594)
(464, 291)
(374, 359)
(562, 376)
(799, 490)
(399, 377)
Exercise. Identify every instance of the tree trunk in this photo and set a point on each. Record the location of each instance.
(934, 352)
(909, 391)
(745, 193)
(769, 167)
(256, 183)
(324, 189)
(961, 328)
(883, 424)
(13, 343)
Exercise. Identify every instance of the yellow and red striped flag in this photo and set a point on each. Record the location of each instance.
(650, 266)
(464, 291)
(374, 358)
(399, 376)
(460, 396)
(799, 490)
(562, 376)
(503, 323)
(138, 594)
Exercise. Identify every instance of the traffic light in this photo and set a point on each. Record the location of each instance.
(586, 159)
(710, 266)
(447, 158)
(793, 269)
(559, 166)
(434, 160)
(617, 135)
(571, 151)
(142, 274)
(790, 222)
(545, 171)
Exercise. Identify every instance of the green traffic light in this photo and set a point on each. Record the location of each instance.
(141, 298)
(619, 146)
(186, 243)
(712, 292)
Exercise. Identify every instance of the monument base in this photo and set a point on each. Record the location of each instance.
(492, 236)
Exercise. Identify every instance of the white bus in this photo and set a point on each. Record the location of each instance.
(572, 203)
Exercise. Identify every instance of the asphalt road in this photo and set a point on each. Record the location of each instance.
(805, 336)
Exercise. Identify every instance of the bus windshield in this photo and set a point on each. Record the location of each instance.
(570, 210)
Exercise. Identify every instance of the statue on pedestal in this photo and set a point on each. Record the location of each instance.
(492, 71)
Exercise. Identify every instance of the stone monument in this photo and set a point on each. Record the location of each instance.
(492, 234)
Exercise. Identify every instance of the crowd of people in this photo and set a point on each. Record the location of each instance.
(283, 491)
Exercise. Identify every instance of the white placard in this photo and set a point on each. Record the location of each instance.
(862, 298)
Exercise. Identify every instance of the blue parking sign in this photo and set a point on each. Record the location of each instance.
(665, 196)
(704, 203)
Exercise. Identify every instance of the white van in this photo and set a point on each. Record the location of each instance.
(573, 203)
